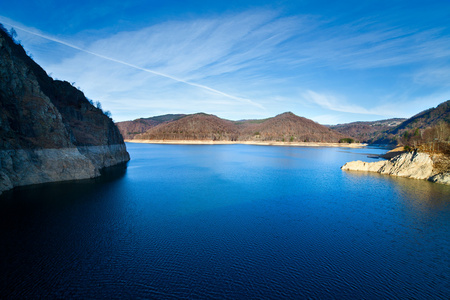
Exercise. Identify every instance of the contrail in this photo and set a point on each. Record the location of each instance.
(137, 67)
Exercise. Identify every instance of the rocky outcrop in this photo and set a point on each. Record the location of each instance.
(410, 164)
(49, 131)
(443, 178)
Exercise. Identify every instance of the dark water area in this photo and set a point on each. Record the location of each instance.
(228, 222)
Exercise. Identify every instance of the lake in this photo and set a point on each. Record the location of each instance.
(228, 222)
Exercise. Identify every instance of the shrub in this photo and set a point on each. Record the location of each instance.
(346, 140)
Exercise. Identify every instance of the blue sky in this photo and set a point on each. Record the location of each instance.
(330, 61)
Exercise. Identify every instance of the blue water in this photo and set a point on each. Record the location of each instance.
(229, 222)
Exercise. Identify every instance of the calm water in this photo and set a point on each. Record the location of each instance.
(229, 222)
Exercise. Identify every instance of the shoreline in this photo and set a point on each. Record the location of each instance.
(268, 143)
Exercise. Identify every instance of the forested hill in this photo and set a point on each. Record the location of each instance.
(431, 124)
(428, 118)
(367, 131)
(130, 129)
(285, 127)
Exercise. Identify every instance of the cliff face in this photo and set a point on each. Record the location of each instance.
(49, 131)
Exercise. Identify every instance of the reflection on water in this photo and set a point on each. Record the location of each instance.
(228, 221)
(421, 196)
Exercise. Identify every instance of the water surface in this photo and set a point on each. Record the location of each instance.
(229, 222)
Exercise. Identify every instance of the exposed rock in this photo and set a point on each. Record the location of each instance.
(363, 166)
(410, 164)
(443, 178)
(49, 130)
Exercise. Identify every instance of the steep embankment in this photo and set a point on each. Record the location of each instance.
(49, 131)
(285, 127)
(410, 164)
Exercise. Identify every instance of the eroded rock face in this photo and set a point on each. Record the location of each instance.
(411, 165)
(49, 131)
(363, 166)
(442, 178)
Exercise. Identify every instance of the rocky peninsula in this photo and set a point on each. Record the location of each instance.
(415, 165)
(49, 131)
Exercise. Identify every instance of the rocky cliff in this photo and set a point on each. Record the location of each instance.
(410, 164)
(49, 131)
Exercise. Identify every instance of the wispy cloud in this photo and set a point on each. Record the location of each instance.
(138, 67)
(252, 63)
(334, 103)
(401, 107)
(365, 45)
(433, 76)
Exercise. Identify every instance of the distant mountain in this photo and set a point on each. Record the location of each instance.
(288, 127)
(366, 131)
(130, 129)
(291, 128)
(417, 125)
(425, 119)
(199, 126)
(284, 127)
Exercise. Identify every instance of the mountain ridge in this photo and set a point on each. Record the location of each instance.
(289, 127)
(201, 126)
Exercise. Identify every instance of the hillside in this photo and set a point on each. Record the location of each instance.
(284, 127)
(426, 126)
(366, 131)
(425, 119)
(130, 129)
(49, 130)
(288, 127)
(193, 127)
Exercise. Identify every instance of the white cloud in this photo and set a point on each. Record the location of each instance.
(242, 64)
(333, 103)
(393, 106)
(436, 76)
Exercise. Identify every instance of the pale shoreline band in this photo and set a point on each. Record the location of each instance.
(269, 143)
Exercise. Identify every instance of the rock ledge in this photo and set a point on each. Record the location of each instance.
(411, 165)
